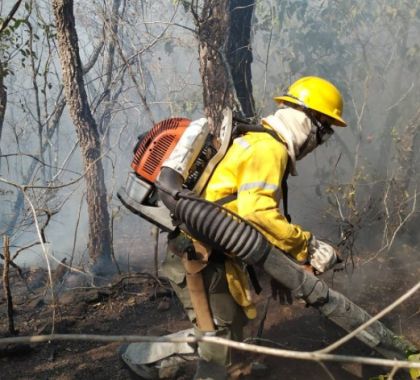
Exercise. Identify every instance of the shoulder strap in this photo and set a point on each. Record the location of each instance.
(285, 191)
(227, 199)
(242, 128)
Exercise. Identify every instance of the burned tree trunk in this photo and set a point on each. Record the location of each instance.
(213, 27)
(3, 68)
(240, 53)
(87, 132)
(109, 65)
(224, 32)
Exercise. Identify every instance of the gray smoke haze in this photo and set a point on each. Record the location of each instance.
(368, 49)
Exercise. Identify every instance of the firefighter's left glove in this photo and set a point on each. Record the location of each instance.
(414, 372)
(322, 256)
(281, 293)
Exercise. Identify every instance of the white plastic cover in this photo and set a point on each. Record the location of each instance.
(223, 142)
(151, 352)
(188, 147)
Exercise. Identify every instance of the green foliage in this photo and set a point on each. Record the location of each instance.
(15, 39)
(9, 38)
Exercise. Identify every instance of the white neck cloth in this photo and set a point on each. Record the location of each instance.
(294, 126)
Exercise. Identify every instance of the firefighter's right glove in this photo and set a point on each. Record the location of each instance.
(322, 256)
(281, 293)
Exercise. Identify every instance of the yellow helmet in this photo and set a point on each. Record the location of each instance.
(317, 94)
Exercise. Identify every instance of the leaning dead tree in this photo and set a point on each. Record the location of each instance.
(87, 132)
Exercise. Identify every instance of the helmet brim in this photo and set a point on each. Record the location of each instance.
(339, 121)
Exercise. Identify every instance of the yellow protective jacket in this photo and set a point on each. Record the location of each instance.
(253, 168)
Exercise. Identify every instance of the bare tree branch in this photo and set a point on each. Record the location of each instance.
(299, 355)
(38, 160)
(9, 17)
(46, 256)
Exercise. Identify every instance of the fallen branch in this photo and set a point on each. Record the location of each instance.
(298, 355)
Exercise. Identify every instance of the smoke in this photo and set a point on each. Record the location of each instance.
(372, 57)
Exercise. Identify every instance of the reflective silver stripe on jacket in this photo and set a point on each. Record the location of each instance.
(258, 185)
(242, 142)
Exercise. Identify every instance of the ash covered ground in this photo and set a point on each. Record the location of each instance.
(135, 303)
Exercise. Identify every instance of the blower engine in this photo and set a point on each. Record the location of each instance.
(180, 144)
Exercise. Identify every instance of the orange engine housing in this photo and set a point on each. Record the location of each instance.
(156, 146)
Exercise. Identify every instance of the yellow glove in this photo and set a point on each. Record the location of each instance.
(414, 372)
(239, 287)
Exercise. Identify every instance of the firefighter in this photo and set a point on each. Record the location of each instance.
(249, 179)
